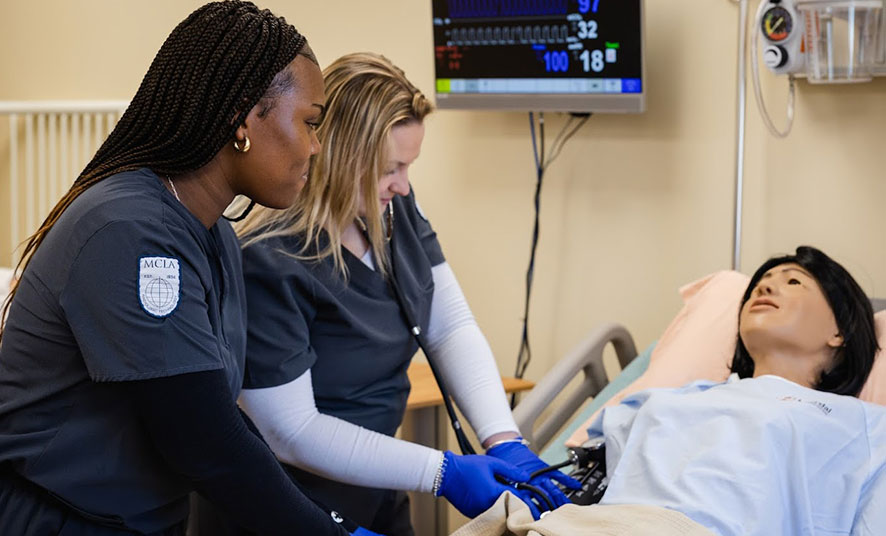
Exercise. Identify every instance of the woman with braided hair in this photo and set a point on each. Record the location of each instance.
(123, 351)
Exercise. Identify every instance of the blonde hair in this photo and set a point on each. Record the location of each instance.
(366, 97)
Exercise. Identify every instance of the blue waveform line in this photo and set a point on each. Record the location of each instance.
(507, 8)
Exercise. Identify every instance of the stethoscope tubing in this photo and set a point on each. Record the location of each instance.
(415, 328)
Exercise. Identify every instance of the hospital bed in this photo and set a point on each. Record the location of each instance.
(540, 423)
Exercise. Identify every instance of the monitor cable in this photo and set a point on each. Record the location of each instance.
(573, 124)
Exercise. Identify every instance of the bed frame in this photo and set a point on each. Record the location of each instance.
(586, 358)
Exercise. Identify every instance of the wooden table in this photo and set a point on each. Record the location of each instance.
(427, 423)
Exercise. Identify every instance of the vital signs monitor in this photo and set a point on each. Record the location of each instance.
(563, 55)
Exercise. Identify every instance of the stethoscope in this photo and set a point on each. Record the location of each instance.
(416, 331)
(577, 456)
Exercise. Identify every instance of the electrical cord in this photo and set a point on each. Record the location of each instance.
(538, 492)
(550, 468)
(578, 456)
(524, 355)
(565, 134)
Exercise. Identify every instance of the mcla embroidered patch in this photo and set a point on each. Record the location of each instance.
(159, 285)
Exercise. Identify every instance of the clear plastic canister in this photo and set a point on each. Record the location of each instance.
(840, 38)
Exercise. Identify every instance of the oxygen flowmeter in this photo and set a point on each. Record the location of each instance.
(825, 41)
(783, 37)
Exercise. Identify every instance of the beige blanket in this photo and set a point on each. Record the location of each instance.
(510, 517)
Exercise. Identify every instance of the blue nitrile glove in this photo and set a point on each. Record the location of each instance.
(517, 453)
(469, 482)
(363, 532)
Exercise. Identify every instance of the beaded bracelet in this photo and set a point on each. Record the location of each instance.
(438, 478)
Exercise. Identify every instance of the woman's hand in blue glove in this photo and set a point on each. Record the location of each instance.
(363, 532)
(469, 483)
(519, 454)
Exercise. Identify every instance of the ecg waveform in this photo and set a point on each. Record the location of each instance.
(459, 9)
(509, 35)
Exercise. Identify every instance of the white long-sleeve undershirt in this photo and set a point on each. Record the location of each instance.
(300, 435)
(465, 359)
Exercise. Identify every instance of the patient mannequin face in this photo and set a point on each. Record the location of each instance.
(788, 327)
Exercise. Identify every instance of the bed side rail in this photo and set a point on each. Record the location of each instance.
(586, 357)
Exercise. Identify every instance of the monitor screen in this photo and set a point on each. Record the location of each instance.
(564, 55)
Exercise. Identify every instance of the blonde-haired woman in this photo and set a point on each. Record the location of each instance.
(328, 346)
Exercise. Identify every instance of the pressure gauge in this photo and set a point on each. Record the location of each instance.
(777, 24)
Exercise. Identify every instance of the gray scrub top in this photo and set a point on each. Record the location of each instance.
(128, 285)
(351, 335)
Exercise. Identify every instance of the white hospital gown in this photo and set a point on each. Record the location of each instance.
(758, 456)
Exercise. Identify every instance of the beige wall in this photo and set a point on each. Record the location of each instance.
(636, 206)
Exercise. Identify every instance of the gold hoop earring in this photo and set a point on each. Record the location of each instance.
(245, 147)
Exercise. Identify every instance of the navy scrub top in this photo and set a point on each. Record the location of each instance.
(351, 335)
(128, 285)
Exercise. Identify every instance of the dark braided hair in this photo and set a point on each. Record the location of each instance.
(214, 67)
